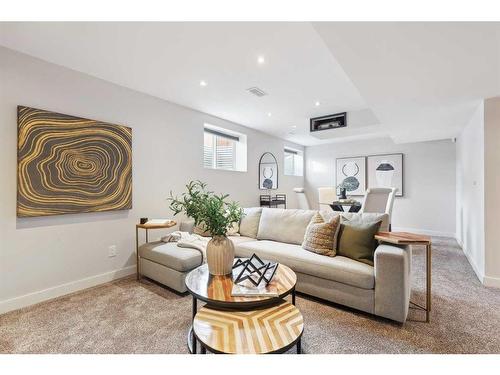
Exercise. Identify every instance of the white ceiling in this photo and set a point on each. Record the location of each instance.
(408, 81)
(422, 80)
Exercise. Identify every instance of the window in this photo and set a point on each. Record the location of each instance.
(224, 149)
(294, 162)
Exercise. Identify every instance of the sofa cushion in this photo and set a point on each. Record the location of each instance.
(170, 255)
(340, 269)
(240, 239)
(284, 225)
(321, 237)
(249, 223)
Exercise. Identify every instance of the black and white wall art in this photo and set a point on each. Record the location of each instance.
(351, 174)
(268, 172)
(386, 171)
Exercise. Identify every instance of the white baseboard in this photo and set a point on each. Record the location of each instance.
(424, 231)
(61, 290)
(493, 282)
(489, 281)
(474, 266)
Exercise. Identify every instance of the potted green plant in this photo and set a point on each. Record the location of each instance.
(215, 215)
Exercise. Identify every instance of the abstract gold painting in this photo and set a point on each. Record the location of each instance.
(69, 164)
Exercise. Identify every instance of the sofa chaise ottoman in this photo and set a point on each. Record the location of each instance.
(167, 263)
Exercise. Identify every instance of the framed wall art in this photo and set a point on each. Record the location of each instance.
(268, 172)
(386, 171)
(351, 174)
(68, 164)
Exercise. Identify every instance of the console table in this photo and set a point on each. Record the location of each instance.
(269, 201)
(405, 238)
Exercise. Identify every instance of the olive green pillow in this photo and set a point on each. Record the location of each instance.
(357, 240)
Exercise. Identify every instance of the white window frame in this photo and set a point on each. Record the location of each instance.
(239, 149)
(297, 157)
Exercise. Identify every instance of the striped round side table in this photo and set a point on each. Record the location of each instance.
(216, 292)
(268, 330)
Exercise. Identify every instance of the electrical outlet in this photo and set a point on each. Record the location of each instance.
(112, 251)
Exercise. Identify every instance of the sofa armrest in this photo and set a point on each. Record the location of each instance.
(392, 281)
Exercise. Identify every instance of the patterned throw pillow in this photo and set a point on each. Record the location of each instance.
(201, 230)
(321, 237)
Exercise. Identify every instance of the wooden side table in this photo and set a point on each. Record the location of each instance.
(404, 238)
(273, 329)
(216, 292)
(147, 227)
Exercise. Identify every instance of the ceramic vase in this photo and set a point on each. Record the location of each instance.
(220, 255)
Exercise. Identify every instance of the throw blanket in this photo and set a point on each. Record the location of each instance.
(188, 240)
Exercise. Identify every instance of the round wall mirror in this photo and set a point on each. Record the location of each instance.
(268, 172)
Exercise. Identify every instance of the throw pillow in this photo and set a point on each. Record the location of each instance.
(321, 236)
(249, 223)
(201, 230)
(357, 240)
(368, 217)
(234, 230)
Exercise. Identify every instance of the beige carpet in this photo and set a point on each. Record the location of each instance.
(130, 317)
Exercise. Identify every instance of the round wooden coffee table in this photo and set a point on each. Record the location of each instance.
(272, 329)
(215, 291)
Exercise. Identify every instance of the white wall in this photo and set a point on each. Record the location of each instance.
(492, 196)
(478, 201)
(63, 253)
(428, 205)
(470, 191)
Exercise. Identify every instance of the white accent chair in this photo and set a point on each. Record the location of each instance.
(327, 195)
(379, 200)
(302, 199)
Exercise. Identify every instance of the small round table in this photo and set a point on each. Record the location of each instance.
(273, 329)
(215, 291)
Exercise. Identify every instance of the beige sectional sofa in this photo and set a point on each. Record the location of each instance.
(277, 234)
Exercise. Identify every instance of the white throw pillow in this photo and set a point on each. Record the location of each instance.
(249, 223)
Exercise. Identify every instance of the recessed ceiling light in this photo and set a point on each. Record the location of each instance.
(294, 126)
(203, 83)
(317, 104)
(261, 60)
(269, 114)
